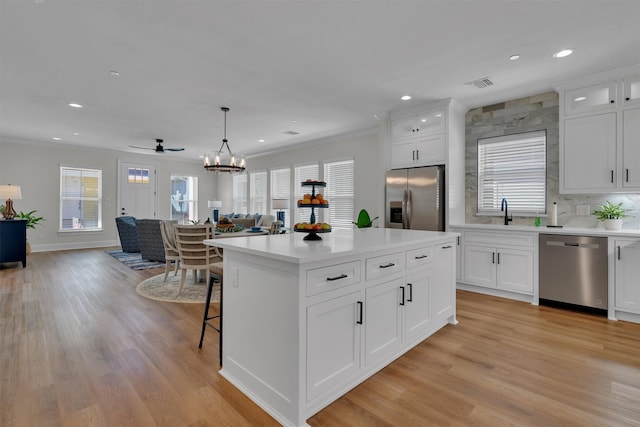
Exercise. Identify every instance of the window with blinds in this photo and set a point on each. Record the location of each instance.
(339, 177)
(80, 199)
(184, 198)
(258, 192)
(239, 194)
(302, 173)
(280, 187)
(513, 167)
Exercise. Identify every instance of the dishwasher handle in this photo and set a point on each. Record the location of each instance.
(572, 244)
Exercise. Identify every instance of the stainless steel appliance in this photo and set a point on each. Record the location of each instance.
(573, 270)
(415, 198)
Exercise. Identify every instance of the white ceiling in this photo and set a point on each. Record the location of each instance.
(331, 66)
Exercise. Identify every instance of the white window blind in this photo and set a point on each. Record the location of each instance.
(239, 194)
(339, 177)
(258, 192)
(80, 199)
(302, 173)
(512, 167)
(280, 187)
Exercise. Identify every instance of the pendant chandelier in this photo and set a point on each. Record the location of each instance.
(224, 161)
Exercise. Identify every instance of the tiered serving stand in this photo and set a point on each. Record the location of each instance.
(313, 234)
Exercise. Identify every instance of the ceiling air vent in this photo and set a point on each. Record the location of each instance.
(480, 83)
(291, 132)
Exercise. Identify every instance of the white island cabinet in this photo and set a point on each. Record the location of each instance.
(306, 321)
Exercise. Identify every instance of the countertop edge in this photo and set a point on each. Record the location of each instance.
(549, 230)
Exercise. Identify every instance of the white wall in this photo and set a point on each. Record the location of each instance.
(36, 168)
(366, 148)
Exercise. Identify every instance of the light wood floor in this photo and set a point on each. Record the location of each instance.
(79, 347)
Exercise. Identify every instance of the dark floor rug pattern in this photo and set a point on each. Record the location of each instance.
(134, 260)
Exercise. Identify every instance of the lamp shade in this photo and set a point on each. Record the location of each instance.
(10, 192)
(213, 204)
(280, 203)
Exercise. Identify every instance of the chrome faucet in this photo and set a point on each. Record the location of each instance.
(505, 208)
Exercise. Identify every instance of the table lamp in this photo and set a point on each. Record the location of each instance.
(215, 205)
(279, 205)
(10, 192)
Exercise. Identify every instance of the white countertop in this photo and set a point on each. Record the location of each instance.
(339, 243)
(583, 231)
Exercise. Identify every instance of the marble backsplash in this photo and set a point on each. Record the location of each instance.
(525, 115)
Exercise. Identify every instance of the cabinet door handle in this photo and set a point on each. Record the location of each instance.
(627, 175)
(458, 240)
(342, 276)
(387, 265)
(421, 256)
(612, 177)
(410, 299)
(446, 247)
(493, 257)
(359, 321)
(413, 155)
(613, 101)
(417, 154)
(618, 253)
(498, 257)
(402, 297)
(627, 98)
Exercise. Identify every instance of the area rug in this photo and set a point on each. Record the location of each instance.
(134, 260)
(156, 289)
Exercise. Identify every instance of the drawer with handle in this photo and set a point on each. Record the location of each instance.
(418, 257)
(384, 265)
(326, 279)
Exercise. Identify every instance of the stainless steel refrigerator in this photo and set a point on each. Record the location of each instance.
(415, 198)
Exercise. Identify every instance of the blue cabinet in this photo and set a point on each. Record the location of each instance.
(13, 241)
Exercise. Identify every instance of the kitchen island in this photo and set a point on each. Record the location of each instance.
(306, 321)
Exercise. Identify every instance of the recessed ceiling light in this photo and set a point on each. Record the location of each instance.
(563, 53)
(423, 120)
(580, 98)
(114, 73)
(55, 138)
(438, 115)
(261, 140)
(514, 57)
(405, 97)
(76, 133)
(75, 105)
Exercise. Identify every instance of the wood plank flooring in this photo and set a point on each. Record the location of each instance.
(79, 347)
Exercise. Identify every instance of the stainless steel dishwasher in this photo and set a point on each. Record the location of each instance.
(574, 270)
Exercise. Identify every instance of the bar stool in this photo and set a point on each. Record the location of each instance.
(215, 275)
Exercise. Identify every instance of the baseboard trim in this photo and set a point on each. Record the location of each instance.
(74, 245)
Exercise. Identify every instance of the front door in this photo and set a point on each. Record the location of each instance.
(137, 190)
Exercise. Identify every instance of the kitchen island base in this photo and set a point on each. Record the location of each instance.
(302, 330)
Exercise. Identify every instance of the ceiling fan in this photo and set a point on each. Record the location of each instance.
(159, 148)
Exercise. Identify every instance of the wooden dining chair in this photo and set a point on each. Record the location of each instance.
(194, 254)
(171, 254)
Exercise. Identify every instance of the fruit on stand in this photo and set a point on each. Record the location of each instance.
(308, 199)
(305, 226)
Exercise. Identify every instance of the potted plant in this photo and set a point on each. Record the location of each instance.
(32, 221)
(611, 215)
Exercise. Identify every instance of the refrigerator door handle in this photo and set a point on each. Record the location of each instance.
(409, 209)
(404, 209)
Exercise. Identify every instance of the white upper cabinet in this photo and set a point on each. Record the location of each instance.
(631, 90)
(590, 98)
(421, 124)
(590, 152)
(600, 134)
(631, 148)
(418, 139)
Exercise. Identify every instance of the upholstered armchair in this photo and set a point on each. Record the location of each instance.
(150, 238)
(128, 233)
